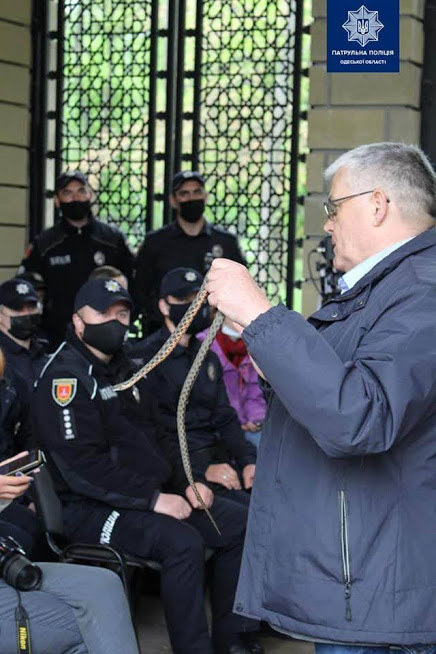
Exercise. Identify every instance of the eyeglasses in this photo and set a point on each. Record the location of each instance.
(330, 206)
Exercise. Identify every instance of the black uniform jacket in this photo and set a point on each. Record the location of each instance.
(211, 422)
(170, 247)
(15, 428)
(65, 256)
(102, 446)
(27, 362)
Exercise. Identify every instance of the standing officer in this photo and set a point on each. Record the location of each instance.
(216, 441)
(65, 254)
(118, 487)
(190, 241)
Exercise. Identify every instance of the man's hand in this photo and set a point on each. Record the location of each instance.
(173, 505)
(234, 292)
(222, 473)
(252, 426)
(13, 487)
(205, 493)
(248, 475)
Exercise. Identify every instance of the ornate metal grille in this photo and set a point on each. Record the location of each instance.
(152, 86)
(105, 104)
(247, 129)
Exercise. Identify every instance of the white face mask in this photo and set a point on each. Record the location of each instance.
(228, 331)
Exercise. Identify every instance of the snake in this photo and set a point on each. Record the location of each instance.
(192, 375)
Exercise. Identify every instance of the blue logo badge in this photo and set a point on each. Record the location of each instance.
(363, 38)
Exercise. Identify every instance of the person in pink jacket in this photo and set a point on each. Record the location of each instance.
(241, 380)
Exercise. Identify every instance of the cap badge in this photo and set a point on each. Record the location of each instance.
(112, 286)
(22, 289)
(190, 276)
(64, 390)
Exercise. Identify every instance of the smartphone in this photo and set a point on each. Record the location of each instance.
(24, 464)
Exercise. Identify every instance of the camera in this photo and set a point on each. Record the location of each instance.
(15, 568)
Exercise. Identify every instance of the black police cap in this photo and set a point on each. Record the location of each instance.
(101, 294)
(15, 293)
(186, 176)
(181, 282)
(65, 178)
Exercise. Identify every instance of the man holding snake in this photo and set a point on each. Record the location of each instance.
(341, 538)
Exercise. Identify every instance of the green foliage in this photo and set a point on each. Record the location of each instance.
(245, 122)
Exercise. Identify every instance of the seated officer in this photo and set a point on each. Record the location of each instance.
(20, 316)
(15, 435)
(116, 485)
(216, 441)
(110, 272)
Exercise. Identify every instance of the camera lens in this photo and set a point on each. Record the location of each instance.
(21, 573)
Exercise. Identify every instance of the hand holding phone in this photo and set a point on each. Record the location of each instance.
(24, 462)
(13, 487)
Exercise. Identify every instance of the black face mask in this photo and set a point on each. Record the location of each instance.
(75, 210)
(24, 327)
(192, 210)
(200, 322)
(107, 337)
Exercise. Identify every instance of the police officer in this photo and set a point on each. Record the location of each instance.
(118, 487)
(216, 442)
(15, 436)
(189, 241)
(20, 316)
(22, 357)
(15, 429)
(66, 253)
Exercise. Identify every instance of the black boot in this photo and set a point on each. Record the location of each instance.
(249, 645)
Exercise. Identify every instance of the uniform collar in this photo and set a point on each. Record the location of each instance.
(11, 346)
(99, 367)
(179, 350)
(206, 230)
(72, 230)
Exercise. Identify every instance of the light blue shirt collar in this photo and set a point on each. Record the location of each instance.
(350, 278)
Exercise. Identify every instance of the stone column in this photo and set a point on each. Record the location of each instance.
(350, 109)
(15, 62)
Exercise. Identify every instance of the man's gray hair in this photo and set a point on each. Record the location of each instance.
(402, 171)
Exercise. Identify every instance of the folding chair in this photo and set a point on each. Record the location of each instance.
(49, 510)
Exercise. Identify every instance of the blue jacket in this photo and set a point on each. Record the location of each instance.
(341, 540)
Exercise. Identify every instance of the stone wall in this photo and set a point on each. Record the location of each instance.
(347, 110)
(15, 62)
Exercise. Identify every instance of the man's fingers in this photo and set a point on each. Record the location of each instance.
(4, 495)
(18, 481)
(220, 263)
(14, 489)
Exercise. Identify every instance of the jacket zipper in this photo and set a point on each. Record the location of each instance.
(345, 553)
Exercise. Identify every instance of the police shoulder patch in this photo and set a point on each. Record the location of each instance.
(64, 390)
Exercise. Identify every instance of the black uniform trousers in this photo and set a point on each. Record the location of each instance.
(179, 546)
